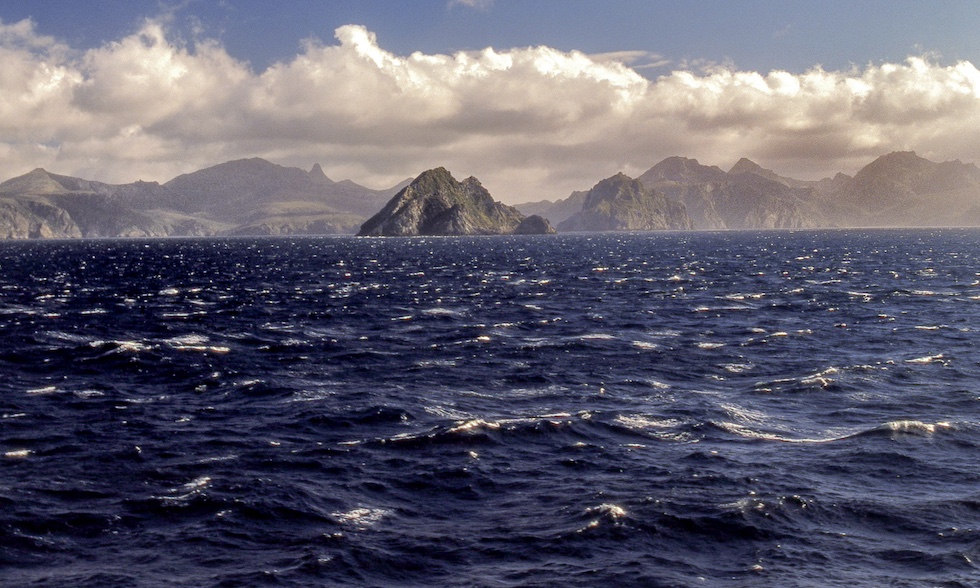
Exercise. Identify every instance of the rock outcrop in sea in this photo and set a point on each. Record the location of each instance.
(436, 204)
(621, 203)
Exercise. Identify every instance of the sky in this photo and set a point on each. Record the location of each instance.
(536, 98)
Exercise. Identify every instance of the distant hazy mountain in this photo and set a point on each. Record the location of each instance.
(621, 203)
(903, 189)
(557, 211)
(747, 166)
(260, 197)
(436, 204)
(747, 197)
(249, 196)
(45, 205)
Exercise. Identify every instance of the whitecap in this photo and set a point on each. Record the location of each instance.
(748, 433)
(196, 342)
(361, 517)
(914, 427)
(639, 422)
(474, 425)
(736, 368)
(823, 379)
(927, 359)
(603, 511)
(438, 311)
(607, 509)
(188, 490)
(42, 391)
(644, 345)
(709, 345)
(18, 453)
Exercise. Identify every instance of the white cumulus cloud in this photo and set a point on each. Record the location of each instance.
(531, 123)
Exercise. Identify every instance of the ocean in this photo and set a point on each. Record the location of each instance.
(783, 408)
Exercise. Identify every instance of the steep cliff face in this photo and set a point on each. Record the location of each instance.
(436, 204)
(35, 219)
(621, 203)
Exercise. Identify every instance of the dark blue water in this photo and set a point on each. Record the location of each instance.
(678, 409)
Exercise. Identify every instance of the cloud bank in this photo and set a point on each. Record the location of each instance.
(531, 123)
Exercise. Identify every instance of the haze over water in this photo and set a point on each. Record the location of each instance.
(663, 409)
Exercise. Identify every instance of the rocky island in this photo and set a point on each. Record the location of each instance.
(436, 204)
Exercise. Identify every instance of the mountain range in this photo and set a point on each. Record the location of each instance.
(257, 197)
(242, 197)
(898, 189)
